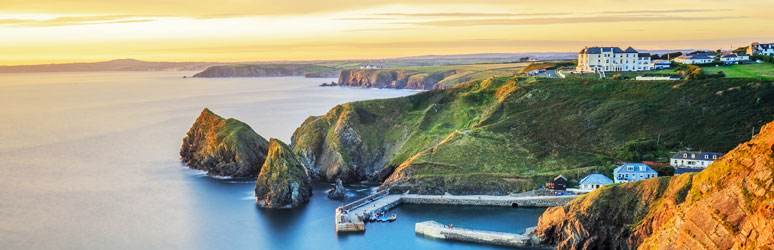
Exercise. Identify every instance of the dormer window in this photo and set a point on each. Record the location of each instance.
(714, 157)
(642, 168)
(706, 156)
(685, 155)
(630, 168)
(693, 156)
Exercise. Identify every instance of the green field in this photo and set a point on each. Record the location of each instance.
(753, 71)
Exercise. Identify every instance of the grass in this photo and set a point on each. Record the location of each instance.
(764, 71)
(531, 129)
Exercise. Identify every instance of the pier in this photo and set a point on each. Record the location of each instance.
(437, 230)
(351, 217)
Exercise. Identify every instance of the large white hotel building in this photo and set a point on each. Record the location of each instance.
(595, 59)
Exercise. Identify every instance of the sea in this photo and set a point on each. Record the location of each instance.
(91, 161)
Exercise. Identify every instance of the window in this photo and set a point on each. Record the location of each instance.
(685, 155)
(642, 168)
(706, 156)
(630, 168)
(693, 156)
(714, 157)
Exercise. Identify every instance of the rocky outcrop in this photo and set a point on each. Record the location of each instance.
(268, 70)
(223, 147)
(337, 192)
(729, 205)
(283, 181)
(393, 78)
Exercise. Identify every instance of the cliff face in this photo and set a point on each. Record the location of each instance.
(283, 181)
(729, 205)
(223, 147)
(268, 70)
(395, 79)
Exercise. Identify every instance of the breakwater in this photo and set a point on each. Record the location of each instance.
(437, 230)
(351, 217)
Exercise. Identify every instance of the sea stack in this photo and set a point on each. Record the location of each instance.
(337, 192)
(283, 181)
(223, 147)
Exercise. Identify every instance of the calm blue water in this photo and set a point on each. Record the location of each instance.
(90, 161)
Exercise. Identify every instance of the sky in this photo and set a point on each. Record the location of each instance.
(55, 31)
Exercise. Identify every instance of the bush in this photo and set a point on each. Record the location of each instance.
(619, 77)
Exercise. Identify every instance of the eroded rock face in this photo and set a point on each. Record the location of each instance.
(729, 205)
(396, 79)
(223, 147)
(338, 192)
(283, 181)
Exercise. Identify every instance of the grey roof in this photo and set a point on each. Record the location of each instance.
(729, 55)
(697, 56)
(643, 54)
(595, 179)
(699, 155)
(661, 62)
(599, 50)
(561, 176)
(687, 170)
(622, 169)
(765, 45)
(630, 50)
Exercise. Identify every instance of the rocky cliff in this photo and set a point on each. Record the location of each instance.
(393, 78)
(503, 135)
(268, 70)
(223, 147)
(283, 181)
(729, 205)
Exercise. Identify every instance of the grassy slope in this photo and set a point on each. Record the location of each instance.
(763, 71)
(525, 130)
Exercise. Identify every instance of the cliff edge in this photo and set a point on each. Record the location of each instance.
(223, 147)
(283, 181)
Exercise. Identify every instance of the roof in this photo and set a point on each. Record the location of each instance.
(561, 176)
(623, 169)
(599, 50)
(697, 56)
(595, 179)
(643, 54)
(729, 56)
(661, 62)
(630, 50)
(687, 170)
(699, 155)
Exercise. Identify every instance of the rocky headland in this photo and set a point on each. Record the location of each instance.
(223, 147)
(283, 181)
(394, 78)
(729, 205)
(269, 70)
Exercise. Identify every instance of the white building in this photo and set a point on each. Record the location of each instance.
(761, 49)
(370, 66)
(698, 58)
(594, 181)
(595, 59)
(661, 64)
(633, 172)
(693, 159)
(734, 58)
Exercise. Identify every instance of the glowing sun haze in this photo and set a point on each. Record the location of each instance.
(45, 31)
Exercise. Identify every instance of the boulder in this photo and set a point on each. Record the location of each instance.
(337, 192)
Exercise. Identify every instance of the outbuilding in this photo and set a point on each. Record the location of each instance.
(594, 181)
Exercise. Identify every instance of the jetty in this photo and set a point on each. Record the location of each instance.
(437, 230)
(351, 217)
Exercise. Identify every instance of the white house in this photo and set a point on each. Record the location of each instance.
(734, 58)
(595, 59)
(594, 181)
(761, 49)
(661, 64)
(633, 172)
(370, 66)
(693, 159)
(697, 58)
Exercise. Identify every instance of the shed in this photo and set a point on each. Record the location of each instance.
(560, 183)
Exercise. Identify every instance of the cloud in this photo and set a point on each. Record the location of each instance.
(73, 20)
(562, 20)
(662, 11)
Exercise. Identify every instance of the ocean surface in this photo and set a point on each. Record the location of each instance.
(90, 161)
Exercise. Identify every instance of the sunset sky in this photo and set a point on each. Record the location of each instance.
(53, 31)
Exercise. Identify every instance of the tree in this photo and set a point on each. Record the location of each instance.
(741, 50)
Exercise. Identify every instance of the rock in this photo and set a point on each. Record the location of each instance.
(223, 147)
(283, 181)
(268, 70)
(337, 192)
(729, 205)
(393, 78)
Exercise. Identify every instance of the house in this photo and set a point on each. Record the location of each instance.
(596, 59)
(559, 183)
(734, 58)
(660, 64)
(370, 66)
(633, 172)
(594, 181)
(697, 58)
(761, 49)
(693, 159)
